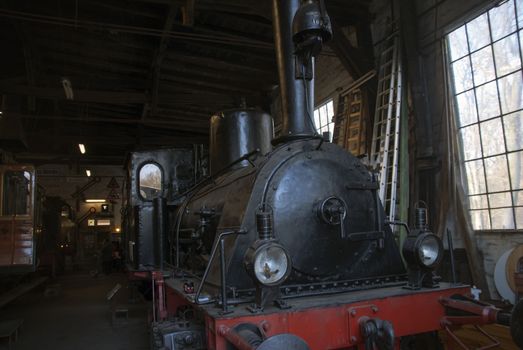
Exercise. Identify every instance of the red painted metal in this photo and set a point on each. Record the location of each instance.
(480, 313)
(234, 338)
(138, 275)
(159, 283)
(336, 326)
(160, 298)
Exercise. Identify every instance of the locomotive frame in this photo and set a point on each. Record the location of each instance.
(248, 246)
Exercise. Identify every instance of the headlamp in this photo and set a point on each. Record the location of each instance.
(268, 262)
(424, 250)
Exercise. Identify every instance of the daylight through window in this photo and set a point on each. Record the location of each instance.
(323, 118)
(485, 66)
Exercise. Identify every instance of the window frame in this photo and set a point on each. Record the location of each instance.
(138, 180)
(514, 190)
(31, 196)
(330, 121)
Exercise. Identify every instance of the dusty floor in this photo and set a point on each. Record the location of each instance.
(78, 318)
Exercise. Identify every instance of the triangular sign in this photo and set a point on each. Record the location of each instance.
(113, 183)
(113, 195)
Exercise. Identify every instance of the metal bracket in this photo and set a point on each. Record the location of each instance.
(357, 314)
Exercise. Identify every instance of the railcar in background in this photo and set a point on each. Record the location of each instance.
(20, 219)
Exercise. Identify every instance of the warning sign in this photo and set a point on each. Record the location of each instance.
(113, 183)
(113, 195)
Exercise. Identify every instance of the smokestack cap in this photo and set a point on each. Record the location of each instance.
(311, 28)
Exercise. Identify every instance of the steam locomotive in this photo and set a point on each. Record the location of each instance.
(286, 245)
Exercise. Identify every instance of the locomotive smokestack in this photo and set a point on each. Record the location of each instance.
(300, 28)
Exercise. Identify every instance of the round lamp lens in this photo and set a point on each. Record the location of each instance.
(429, 250)
(271, 265)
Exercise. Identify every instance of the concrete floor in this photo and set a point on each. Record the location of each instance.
(78, 318)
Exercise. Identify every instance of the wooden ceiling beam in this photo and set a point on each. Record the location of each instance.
(158, 59)
(126, 8)
(220, 64)
(99, 49)
(173, 124)
(93, 62)
(110, 97)
(352, 58)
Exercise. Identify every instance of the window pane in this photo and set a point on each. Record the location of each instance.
(330, 109)
(150, 180)
(517, 197)
(515, 161)
(466, 108)
(514, 131)
(510, 92)
(476, 30)
(499, 200)
(478, 202)
(502, 20)
(490, 137)
(471, 142)
(16, 193)
(488, 102)
(462, 74)
(483, 65)
(323, 116)
(502, 219)
(519, 218)
(497, 174)
(458, 43)
(506, 53)
(480, 219)
(521, 39)
(475, 177)
(519, 11)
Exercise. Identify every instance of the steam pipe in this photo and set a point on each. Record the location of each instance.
(297, 95)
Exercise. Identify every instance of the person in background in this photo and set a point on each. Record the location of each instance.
(107, 257)
(117, 257)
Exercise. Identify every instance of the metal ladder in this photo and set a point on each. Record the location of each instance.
(385, 136)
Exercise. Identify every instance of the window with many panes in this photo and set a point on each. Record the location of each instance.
(485, 58)
(324, 118)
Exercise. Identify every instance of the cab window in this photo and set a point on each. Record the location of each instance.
(16, 195)
(150, 181)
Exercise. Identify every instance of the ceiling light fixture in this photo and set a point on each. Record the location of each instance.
(88, 172)
(95, 201)
(82, 148)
